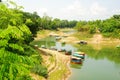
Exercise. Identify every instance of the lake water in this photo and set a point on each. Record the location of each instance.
(99, 64)
(93, 69)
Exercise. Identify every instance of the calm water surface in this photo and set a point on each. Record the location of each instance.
(93, 69)
(101, 64)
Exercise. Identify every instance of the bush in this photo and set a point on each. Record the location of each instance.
(40, 70)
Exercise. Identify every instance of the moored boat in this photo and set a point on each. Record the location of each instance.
(68, 52)
(79, 55)
(82, 42)
(76, 60)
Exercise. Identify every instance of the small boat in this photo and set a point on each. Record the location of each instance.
(43, 46)
(82, 42)
(76, 60)
(36, 46)
(61, 50)
(58, 37)
(79, 54)
(53, 48)
(68, 52)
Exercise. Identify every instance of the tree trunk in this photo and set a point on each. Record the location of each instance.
(0, 0)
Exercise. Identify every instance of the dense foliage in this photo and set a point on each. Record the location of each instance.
(109, 27)
(17, 58)
(36, 23)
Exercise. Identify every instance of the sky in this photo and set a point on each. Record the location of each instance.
(72, 9)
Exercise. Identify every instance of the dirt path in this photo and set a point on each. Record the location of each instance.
(62, 61)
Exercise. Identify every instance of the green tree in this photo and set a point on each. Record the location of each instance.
(17, 57)
(32, 21)
(81, 26)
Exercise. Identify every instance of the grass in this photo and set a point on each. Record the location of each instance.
(59, 74)
(43, 32)
(52, 59)
(83, 35)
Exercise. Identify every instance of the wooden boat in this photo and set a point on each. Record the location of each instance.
(53, 48)
(79, 55)
(43, 46)
(68, 52)
(36, 46)
(58, 37)
(62, 50)
(76, 60)
(82, 42)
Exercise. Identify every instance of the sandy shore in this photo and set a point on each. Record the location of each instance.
(61, 61)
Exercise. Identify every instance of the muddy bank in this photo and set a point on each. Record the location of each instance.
(60, 65)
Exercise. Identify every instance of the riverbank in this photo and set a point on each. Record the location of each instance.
(58, 63)
(59, 66)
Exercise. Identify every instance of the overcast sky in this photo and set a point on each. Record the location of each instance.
(72, 9)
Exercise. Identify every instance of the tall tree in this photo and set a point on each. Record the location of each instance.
(17, 57)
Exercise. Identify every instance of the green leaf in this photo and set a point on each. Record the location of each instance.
(16, 46)
(3, 42)
(11, 72)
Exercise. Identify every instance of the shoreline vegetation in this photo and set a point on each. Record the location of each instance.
(58, 63)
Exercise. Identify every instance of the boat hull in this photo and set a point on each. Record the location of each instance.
(75, 60)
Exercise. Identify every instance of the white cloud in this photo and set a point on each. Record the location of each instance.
(73, 10)
(42, 11)
(78, 11)
(96, 9)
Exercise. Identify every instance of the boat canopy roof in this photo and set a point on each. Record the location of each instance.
(73, 57)
(79, 52)
(75, 54)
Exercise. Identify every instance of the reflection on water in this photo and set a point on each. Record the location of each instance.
(49, 42)
(66, 47)
(96, 70)
(99, 64)
(76, 66)
(110, 52)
